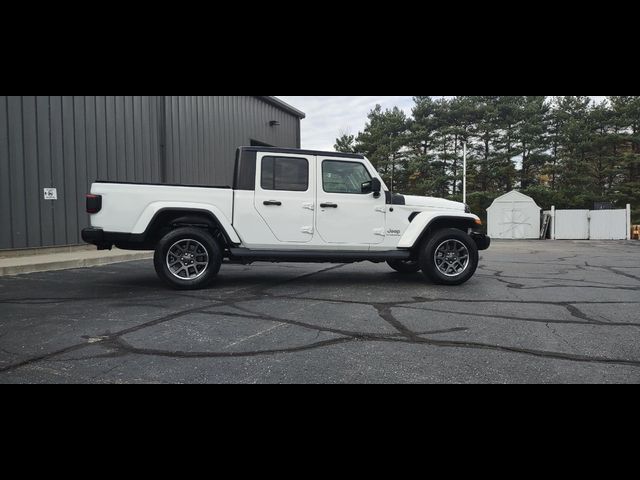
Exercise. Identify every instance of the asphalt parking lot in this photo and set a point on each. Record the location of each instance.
(536, 312)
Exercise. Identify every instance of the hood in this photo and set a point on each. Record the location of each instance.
(435, 203)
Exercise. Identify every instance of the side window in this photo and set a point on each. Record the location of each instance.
(285, 174)
(344, 177)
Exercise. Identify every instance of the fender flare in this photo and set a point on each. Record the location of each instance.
(421, 223)
(154, 209)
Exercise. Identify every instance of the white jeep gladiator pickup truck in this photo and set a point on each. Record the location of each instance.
(286, 206)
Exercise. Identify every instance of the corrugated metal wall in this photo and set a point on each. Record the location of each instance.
(201, 128)
(68, 142)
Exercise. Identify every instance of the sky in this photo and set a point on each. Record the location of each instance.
(329, 116)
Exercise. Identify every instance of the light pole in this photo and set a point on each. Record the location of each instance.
(464, 173)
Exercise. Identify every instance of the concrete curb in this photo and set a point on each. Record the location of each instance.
(68, 264)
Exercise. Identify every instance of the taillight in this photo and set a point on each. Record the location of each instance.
(94, 203)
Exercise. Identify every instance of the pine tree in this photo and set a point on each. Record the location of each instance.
(604, 153)
(461, 117)
(626, 121)
(383, 141)
(533, 139)
(346, 143)
(486, 130)
(443, 146)
(563, 151)
(573, 115)
(423, 178)
(509, 116)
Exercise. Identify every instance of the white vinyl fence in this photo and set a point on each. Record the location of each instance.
(591, 224)
(609, 225)
(572, 225)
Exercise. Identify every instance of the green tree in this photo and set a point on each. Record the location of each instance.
(603, 157)
(444, 146)
(572, 114)
(486, 129)
(626, 125)
(461, 117)
(346, 143)
(563, 151)
(384, 140)
(533, 139)
(423, 177)
(438, 131)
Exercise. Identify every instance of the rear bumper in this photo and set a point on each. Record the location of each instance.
(95, 236)
(483, 241)
(106, 240)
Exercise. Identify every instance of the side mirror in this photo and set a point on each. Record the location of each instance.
(373, 186)
(376, 187)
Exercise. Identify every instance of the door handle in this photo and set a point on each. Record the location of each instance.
(273, 203)
(328, 205)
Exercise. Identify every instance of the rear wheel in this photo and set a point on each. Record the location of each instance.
(405, 266)
(449, 257)
(188, 258)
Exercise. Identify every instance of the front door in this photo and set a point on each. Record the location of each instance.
(285, 197)
(346, 215)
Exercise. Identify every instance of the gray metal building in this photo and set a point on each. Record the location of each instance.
(68, 142)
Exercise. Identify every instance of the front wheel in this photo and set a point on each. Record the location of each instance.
(449, 257)
(187, 258)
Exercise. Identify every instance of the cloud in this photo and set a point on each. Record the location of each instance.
(329, 115)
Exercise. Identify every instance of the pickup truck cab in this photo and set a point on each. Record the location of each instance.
(286, 206)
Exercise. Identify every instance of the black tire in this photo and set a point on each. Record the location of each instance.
(449, 242)
(192, 274)
(405, 266)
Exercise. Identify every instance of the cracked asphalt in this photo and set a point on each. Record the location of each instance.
(536, 312)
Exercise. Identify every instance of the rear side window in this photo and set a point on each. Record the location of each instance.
(286, 174)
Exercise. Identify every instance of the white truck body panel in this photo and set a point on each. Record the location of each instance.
(132, 207)
(422, 221)
(291, 222)
(360, 222)
(251, 227)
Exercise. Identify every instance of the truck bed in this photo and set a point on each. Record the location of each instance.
(130, 207)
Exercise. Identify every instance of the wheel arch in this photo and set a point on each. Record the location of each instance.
(426, 223)
(170, 218)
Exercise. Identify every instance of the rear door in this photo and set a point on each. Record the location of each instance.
(285, 196)
(346, 215)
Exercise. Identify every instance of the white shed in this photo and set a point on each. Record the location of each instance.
(514, 216)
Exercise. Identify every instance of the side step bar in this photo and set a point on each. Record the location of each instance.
(316, 256)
